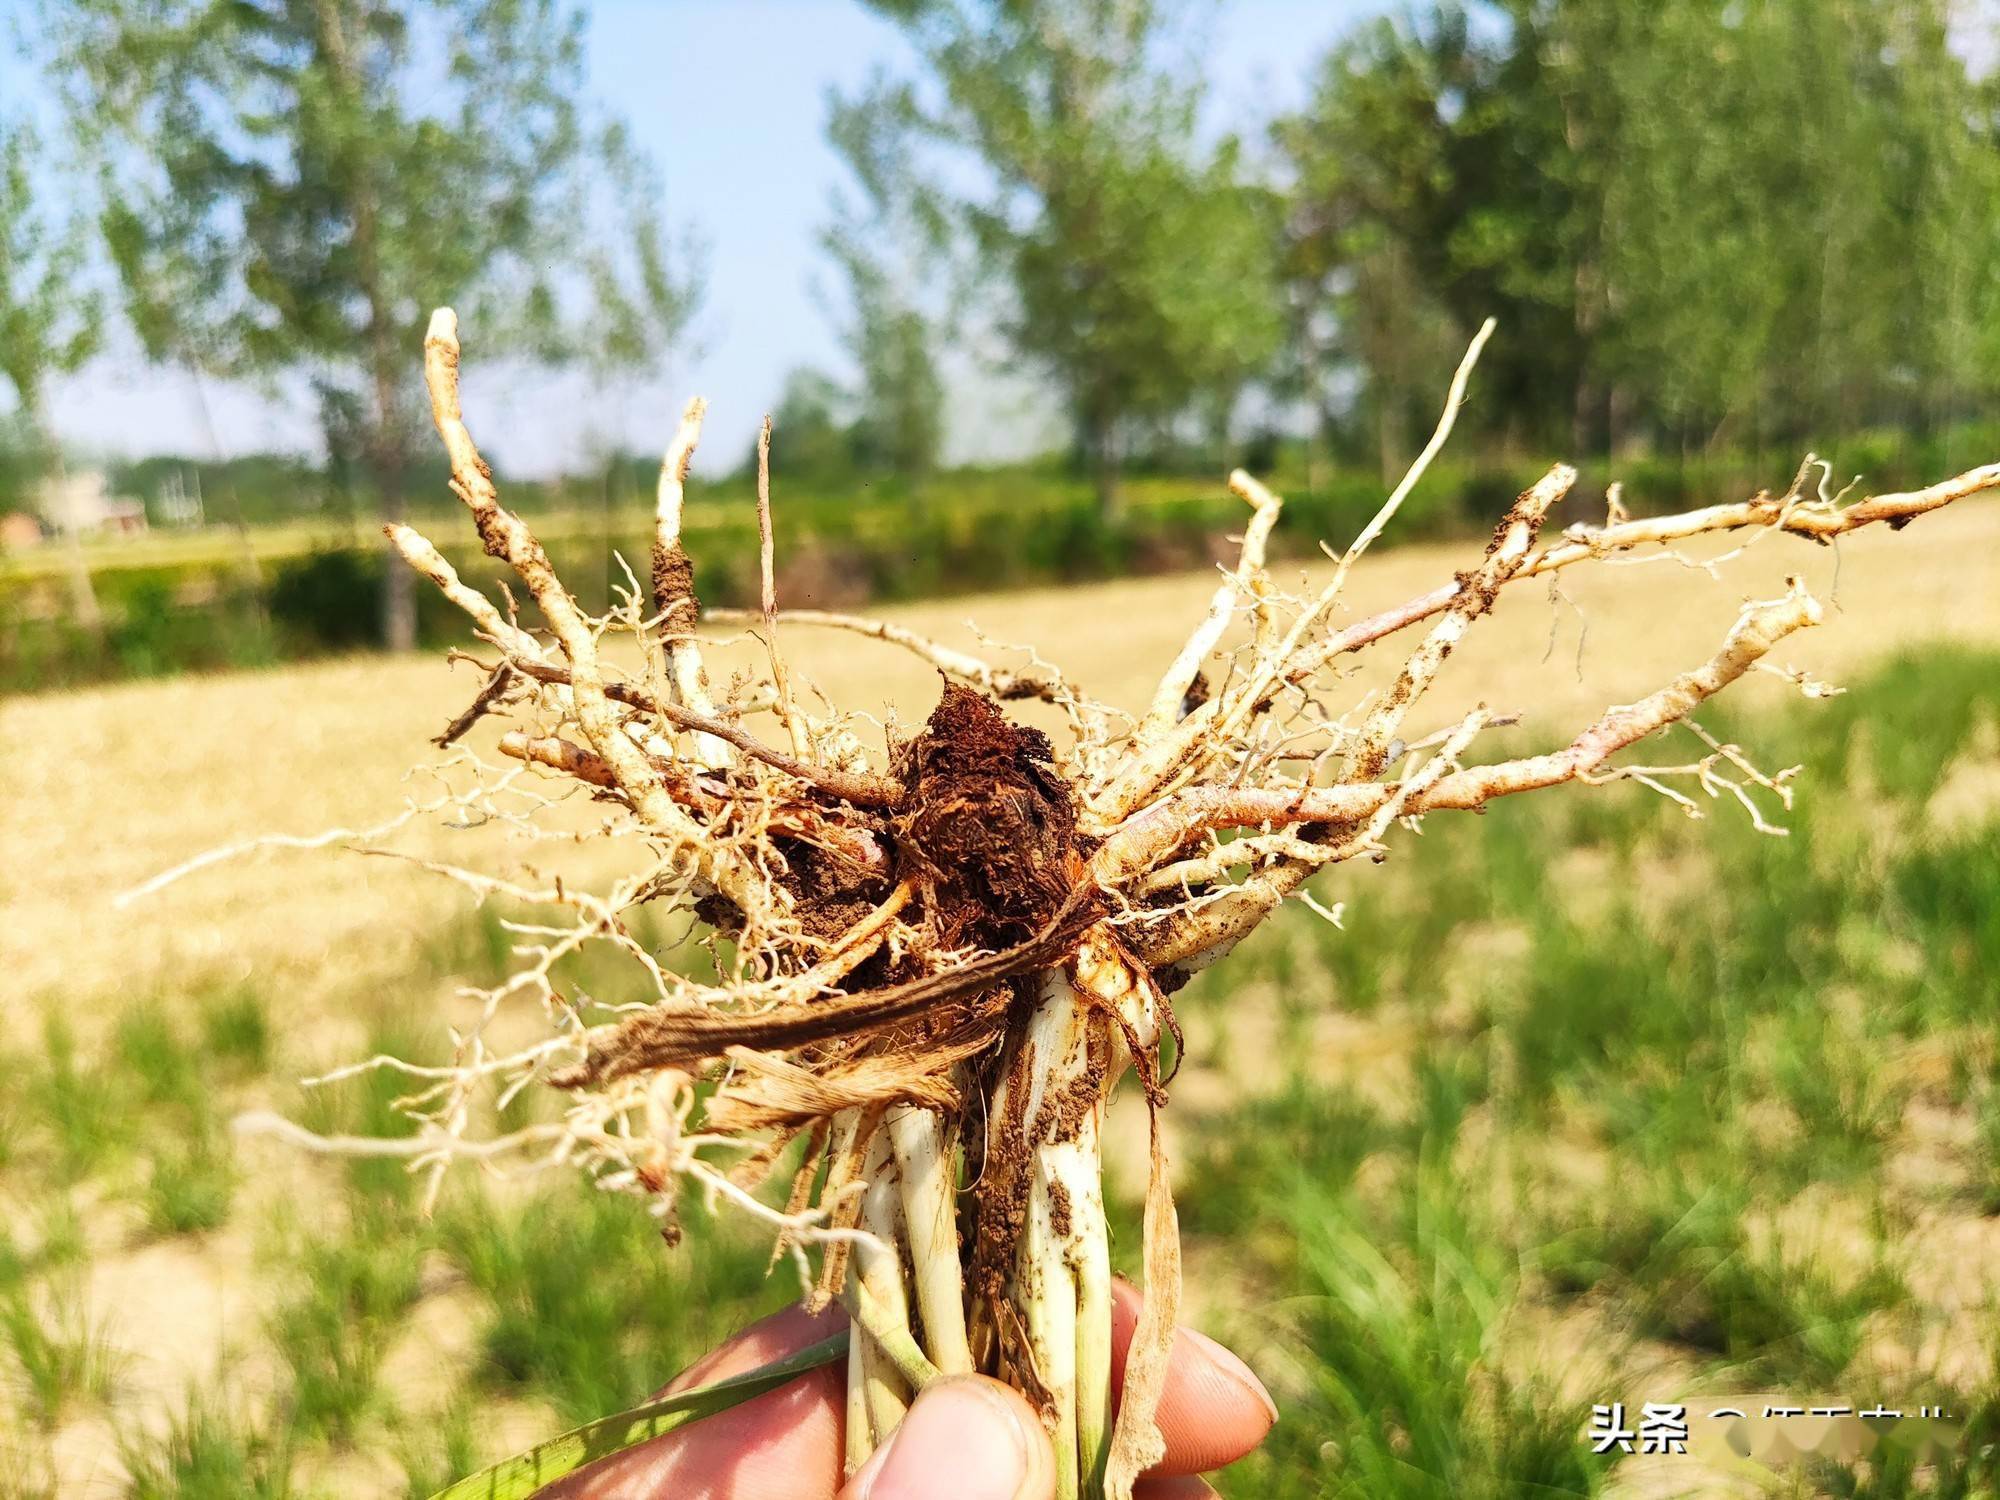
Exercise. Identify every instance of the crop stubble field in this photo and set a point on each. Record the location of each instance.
(1506, 1166)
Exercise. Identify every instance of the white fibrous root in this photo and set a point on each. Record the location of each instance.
(926, 979)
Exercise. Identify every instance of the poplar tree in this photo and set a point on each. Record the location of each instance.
(290, 185)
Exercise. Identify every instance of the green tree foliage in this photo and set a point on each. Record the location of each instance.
(1801, 222)
(1053, 145)
(1762, 219)
(811, 431)
(895, 421)
(291, 186)
(900, 425)
(49, 320)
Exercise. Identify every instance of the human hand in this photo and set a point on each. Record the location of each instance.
(966, 1438)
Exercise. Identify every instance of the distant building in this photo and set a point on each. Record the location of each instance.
(81, 504)
(19, 531)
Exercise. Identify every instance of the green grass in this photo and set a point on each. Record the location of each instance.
(158, 1060)
(1606, 1124)
(365, 1104)
(440, 1452)
(60, 1349)
(589, 1308)
(75, 1103)
(207, 1453)
(332, 1329)
(236, 1032)
(1986, 1138)
(24, 1474)
(189, 1186)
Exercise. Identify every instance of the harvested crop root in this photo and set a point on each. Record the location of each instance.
(936, 957)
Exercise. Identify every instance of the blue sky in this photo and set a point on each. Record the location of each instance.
(729, 97)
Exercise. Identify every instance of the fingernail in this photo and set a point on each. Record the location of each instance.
(960, 1439)
(1229, 1364)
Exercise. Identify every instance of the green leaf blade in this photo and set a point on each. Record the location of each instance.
(519, 1477)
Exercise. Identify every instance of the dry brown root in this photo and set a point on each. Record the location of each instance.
(934, 954)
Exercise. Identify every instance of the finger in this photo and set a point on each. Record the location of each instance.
(782, 1445)
(786, 1443)
(1174, 1487)
(1212, 1411)
(965, 1438)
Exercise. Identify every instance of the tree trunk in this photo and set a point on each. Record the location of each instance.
(384, 445)
(399, 598)
(83, 606)
(1389, 439)
(1101, 452)
(1584, 405)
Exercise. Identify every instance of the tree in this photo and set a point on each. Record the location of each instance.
(49, 320)
(900, 424)
(1368, 333)
(49, 325)
(811, 441)
(1802, 206)
(1433, 168)
(291, 185)
(1763, 216)
(1053, 149)
(901, 413)
(878, 243)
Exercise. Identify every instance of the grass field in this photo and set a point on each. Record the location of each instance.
(1588, 1102)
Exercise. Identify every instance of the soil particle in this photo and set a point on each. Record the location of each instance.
(1064, 1110)
(1198, 692)
(1059, 1213)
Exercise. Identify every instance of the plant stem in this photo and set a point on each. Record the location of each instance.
(892, 1366)
(1062, 1275)
(1089, 1254)
(925, 1162)
(1046, 1293)
(860, 1435)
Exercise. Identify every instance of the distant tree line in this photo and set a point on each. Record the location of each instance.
(1698, 221)
(1744, 224)
(1747, 219)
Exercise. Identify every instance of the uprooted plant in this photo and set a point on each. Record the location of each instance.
(934, 957)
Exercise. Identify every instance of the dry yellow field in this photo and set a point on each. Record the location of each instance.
(107, 787)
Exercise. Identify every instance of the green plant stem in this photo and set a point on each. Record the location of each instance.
(925, 1165)
(875, 1282)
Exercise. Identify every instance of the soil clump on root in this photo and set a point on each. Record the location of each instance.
(988, 824)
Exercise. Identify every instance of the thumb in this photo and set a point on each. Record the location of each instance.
(965, 1438)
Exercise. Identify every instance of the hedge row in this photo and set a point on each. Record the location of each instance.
(229, 614)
